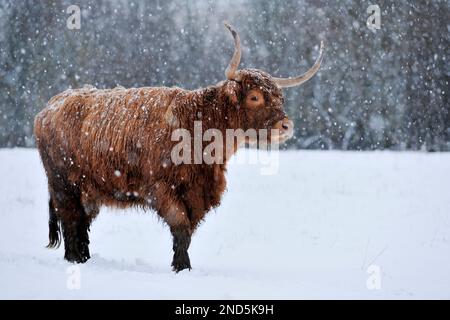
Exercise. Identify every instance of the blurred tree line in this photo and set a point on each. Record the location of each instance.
(383, 89)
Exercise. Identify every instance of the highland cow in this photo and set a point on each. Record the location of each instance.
(113, 147)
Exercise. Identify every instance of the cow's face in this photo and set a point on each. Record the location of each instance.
(262, 106)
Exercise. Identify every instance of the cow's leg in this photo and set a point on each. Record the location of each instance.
(175, 214)
(181, 242)
(75, 233)
(74, 221)
(195, 203)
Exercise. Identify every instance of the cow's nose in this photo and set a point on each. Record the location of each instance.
(287, 125)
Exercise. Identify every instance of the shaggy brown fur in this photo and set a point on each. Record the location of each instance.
(112, 148)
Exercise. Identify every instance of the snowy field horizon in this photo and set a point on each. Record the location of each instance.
(330, 224)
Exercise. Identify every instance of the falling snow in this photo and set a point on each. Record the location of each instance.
(382, 89)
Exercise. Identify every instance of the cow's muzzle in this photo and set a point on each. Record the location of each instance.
(284, 130)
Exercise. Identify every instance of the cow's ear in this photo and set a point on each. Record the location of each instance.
(232, 90)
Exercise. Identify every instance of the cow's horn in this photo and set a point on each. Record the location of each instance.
(231, 72)
(292, 82)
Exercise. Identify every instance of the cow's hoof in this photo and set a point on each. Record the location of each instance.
(76, 257)
(84, 252)
(181, 263)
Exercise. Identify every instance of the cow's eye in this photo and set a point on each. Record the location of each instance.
(254, 99)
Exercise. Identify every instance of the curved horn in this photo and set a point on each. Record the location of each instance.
(292, 82)
(231, 72)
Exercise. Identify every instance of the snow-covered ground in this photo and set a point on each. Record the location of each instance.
(310, 231)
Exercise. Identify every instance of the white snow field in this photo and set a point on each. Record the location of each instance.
(310, 231)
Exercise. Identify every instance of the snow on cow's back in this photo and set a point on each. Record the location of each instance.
(73, 106)
(152, 96)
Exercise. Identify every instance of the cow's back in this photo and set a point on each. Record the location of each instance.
(102, 132)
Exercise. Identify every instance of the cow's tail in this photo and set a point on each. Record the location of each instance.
(54, 229)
